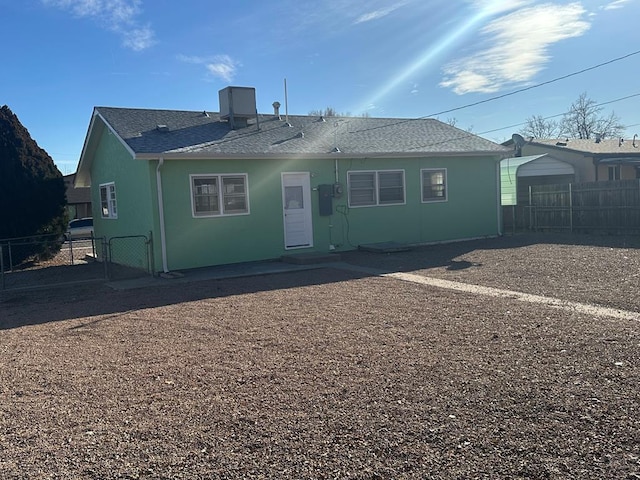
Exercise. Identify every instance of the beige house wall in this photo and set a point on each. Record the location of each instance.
(583, 165)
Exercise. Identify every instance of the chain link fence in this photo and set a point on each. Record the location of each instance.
(129, 257)
(45, 260)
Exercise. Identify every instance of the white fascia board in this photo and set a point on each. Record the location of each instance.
(83, 177)
(120, 139)
(308, 156)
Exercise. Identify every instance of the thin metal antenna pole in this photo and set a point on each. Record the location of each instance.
(286, 102)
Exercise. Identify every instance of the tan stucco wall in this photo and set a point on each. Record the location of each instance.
(583, 165)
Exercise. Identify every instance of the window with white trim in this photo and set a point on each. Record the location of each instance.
(108, 204)
(214, 195)
(379, 187)
(434, 184)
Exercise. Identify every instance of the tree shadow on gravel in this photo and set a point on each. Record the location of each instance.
(450, 256)
(22, 308)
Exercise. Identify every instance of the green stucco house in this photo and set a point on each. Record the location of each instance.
(238, 186)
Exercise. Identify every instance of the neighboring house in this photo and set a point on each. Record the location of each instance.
(517, 174)
(78, 199)
(593, 159)
(234, 186)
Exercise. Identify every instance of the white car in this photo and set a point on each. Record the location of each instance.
(79, 228)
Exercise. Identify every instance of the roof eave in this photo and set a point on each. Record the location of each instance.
(82, 176)
(629, 160)
(331, 155)
(560, 148)
(586, 153)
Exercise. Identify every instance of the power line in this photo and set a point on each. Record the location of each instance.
(531, 87)
(469, 134)
(562, 114)
(498, 97)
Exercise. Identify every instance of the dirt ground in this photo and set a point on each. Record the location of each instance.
(333, 373)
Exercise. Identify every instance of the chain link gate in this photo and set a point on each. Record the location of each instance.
(129, 257)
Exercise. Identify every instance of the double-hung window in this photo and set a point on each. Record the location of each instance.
(213, 195)
(382, 187)
(108, 205)
(434, 184)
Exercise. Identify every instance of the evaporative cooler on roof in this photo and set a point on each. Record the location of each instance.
(237, 105)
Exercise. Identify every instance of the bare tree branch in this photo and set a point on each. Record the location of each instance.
(539, 127)
(583, 120)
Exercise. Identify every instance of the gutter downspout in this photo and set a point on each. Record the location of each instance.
(163, 238)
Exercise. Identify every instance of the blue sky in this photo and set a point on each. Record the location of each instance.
(389, 58)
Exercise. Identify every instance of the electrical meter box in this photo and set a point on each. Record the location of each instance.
(325, 200)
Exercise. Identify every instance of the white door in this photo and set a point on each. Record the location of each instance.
(296, 201)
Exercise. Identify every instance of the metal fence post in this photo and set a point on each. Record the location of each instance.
(150, 258)
(105, 259)
(10, 257)
(70, 241)
(2, 265)
(570, 209)
(530, 209)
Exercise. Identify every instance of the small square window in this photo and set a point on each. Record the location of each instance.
(614, 172)
(434, 185)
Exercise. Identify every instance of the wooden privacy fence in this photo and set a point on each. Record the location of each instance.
(596, 207)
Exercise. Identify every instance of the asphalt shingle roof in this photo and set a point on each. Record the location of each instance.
(200, 133)
(607, 146)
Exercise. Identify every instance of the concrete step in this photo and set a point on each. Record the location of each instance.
(310, 258)
(384, 247)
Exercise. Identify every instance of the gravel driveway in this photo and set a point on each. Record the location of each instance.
(333, 373)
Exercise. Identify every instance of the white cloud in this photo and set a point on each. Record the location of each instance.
(494, 7)
(119, 16)
(192, 59)
(139, 39)
(615, 5)
(383, 12)
(225, 69)
(221, 66)
(518, 45)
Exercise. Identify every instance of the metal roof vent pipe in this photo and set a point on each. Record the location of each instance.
(276, 110)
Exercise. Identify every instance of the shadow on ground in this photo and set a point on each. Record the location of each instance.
(66, 302)
(451, 255)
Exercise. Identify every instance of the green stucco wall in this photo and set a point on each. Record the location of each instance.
(471, 209)
(134, 196)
